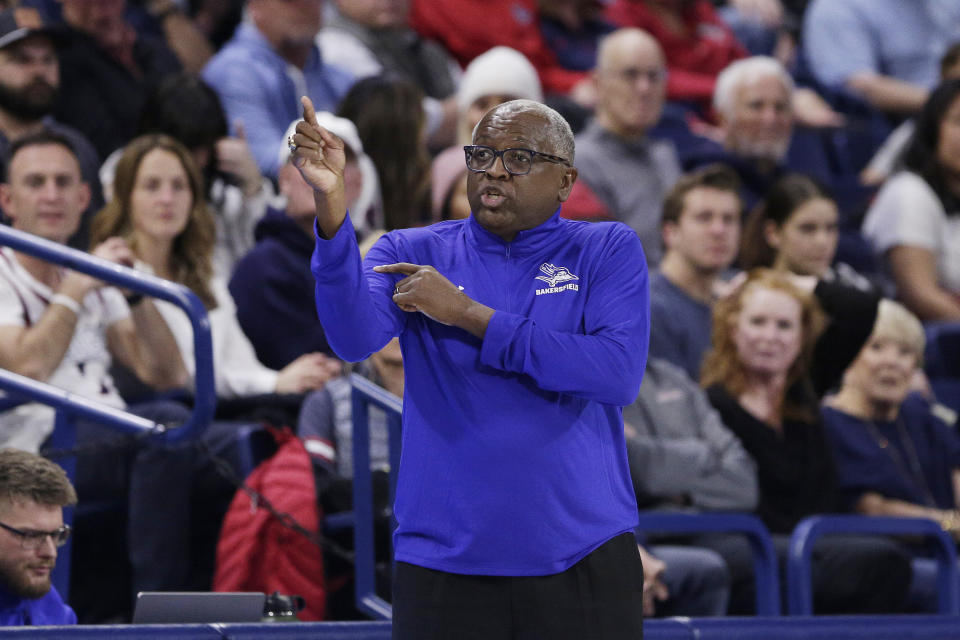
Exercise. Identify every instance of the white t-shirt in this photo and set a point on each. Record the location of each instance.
(84, 369)
(907, 212)
(237, 372)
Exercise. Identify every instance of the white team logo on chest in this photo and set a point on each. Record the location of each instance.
(558, 278)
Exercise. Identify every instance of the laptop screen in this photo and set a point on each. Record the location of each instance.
(178, 607)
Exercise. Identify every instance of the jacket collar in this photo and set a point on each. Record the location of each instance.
(526, 242)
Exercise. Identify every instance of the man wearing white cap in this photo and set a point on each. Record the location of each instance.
(272, 284)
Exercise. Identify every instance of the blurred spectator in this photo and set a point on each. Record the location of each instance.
(889, 156)
(182, 34)
(66, 328)
(494, 77)
(682, 457)
(165, 20)
(795, 229)
(913, 221)
(885, 51)
(449, 188)
(372, 37)
(390, 122)
(29, 83)
(269, 63)
(272, 285)
(158, 203)
(188, 110)
(468, 28)
(758, 376)
(754, 103)
(327, 416)
(765, 27)
(106, 70)
(628, 171)
(573, 30)
(894, 456)
(33, 493)
(701, 231)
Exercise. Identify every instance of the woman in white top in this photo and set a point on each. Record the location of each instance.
(158, 205)
(188, 110)
(915, 220)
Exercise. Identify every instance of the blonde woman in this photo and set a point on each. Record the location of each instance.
(158, 206)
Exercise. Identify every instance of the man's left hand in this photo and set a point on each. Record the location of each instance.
(426, 290)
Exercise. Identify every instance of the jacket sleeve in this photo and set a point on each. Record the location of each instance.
(605, 363)
(354, 303)
(852, 314)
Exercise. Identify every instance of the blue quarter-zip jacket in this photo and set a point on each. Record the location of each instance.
(513, 455)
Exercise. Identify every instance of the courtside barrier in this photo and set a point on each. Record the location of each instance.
(806, 533)
(924, 627)
(761, 544)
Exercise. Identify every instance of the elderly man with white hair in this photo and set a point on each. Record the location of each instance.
(755, 102)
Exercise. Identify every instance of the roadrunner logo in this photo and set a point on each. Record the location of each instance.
(555, 276)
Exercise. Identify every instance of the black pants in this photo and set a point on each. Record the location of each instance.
(599, 598)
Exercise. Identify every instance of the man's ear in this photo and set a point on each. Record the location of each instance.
(771, 233)
(566, 184)
(668, 233)
(5, 200)
(84, 196)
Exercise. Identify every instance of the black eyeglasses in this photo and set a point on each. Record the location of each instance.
(31, 539)
(517, 162)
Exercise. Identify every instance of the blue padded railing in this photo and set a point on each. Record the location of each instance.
(766, 571)
(915, 627)
(365, 393)
(809, 530)
(69, 406)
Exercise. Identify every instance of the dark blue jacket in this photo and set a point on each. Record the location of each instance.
(273, 290)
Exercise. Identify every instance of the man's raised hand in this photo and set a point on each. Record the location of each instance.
(317, 153)
(319, 156)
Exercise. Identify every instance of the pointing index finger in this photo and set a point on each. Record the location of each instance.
(406, 268)
(309, 113)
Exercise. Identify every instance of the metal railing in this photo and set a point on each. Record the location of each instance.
(69, 406)
(365, 393)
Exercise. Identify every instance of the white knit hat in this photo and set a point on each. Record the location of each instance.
(501, 70)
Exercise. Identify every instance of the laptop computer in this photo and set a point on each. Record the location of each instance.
(178, 607)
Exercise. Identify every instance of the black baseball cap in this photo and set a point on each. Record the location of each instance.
(19, 23)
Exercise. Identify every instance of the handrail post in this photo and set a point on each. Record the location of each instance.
(364, 393)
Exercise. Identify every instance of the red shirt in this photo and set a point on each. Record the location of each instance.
(695, 57)
(468, 28)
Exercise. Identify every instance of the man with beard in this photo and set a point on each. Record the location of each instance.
(33, 492)
(29, 84)
(754, 102)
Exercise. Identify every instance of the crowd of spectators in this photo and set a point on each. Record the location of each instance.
(791, 167)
